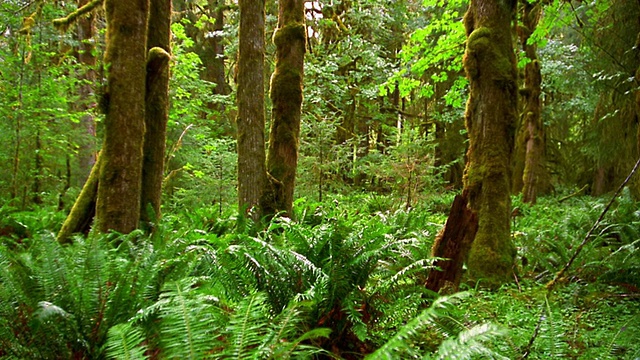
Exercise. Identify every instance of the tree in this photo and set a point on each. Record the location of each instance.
(157, 107)
(529, 148)
(86, 57)
(252, 175)
(120, 179)
(286, 95)
(489, 62)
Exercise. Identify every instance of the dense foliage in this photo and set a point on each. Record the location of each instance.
(344, 278)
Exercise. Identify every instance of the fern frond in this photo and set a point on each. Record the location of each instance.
(187, 322)
(472, 342)
(125, 342)
(246, 329)
(399, 346)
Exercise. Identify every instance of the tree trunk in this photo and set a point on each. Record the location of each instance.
(157, 108)
(120, 180)
(86, 57)
(490, 117)
(453, 245)
(529, 168)
(286, 95)
(83, 210)
(252, 174)
(213, 50)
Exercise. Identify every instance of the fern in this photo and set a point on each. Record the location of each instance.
(125, 342)
(188, 321)
(400, 345)
(472, 342)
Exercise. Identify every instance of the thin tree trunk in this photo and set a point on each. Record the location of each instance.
(37, 171)
(252, 174)
(531, 120)
(157, 108)
(86, 101)
(118, 205)
(213, 51)
(286, 94)
(491, 114)
(84, 209)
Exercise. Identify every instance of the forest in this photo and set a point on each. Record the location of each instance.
(320, 179)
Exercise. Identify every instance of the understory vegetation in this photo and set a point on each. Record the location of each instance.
(343, 280)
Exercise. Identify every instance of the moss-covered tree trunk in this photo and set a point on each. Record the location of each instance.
(489, 62)
(120, 179)
(84, 209)
(86, 57)
(529, 173)
(157, 108)
(286, 95)
(252, 175)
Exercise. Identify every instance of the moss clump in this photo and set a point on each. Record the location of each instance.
(288, 34)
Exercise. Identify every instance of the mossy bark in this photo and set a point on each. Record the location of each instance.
(83, 211)
(85, 55)
(252, 174)
(529, 172)
(286, 95)
(156, 109)
(118, 206)
(491, 114)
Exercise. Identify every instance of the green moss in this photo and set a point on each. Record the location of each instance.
(64, 23)
(479, 39)
(287, 34)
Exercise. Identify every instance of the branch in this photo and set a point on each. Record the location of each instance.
(63, 24)
(584, 242)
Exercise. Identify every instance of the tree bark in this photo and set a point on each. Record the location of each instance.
(120, 180)
(286, 95)
(213, 50)
(529, 149)
(489, 62)
(83, 210)
(453, 245)
(252, 174)
(157, 108)
(86, 57)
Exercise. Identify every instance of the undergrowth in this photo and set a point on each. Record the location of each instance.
(345, 279)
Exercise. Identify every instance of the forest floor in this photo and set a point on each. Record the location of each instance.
(347, 275)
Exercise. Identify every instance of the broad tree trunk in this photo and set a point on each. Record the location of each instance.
(286, 94)
(252, 174)
(120, 180)
(490, 117)
(157, 108)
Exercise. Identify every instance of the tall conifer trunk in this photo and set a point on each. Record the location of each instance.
(120, 179)
(491, 113)
(157, 108)
(286, 95)
(252, 175)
